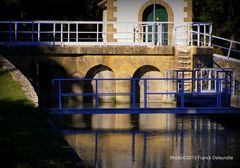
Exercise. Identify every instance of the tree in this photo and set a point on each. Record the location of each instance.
(223, 14)
(49, 10)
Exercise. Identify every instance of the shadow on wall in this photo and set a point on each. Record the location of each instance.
(147, 71)
(104, 86)
(48, 92)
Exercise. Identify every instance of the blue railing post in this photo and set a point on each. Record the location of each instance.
(59, 95)
(133, 93)
(182, 93)
(96, 149)
(54, 33)
(15, 31)
(32, 32)
(230, 84)
(10, 37)
(218, 93)
(145, 93)
(226, 82)
(217, 103)
(96, 94)
(133, 146)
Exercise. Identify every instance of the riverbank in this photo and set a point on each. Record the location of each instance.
(26, 139)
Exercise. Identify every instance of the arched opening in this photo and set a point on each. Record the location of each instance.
(147, 71)
(47, 92)
(101, 87)
(157, 32)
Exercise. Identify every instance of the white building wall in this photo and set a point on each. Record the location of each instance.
(127, 11)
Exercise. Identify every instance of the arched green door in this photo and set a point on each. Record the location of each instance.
(152, 31)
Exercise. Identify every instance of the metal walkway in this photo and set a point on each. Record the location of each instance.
(210, 91)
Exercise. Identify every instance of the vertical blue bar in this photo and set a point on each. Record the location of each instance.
(133, 93)
(32, 32)
(96, 149)
(226, 82)
(144, 148)
(133, 146)
(231, 79)
(217, 94)
(217, 139)
(10, 35)
(182, 93)
(59, 95)
(182, 141)
(96, 95)
(220, 95)
(145, 93)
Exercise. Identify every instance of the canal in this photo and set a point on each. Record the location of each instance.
(152, 140)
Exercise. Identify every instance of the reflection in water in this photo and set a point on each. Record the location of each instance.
(158, 140)
(111, 121)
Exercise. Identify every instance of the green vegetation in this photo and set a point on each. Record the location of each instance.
(10, 90)
(26, 139)
(224, 14)
(50, 10)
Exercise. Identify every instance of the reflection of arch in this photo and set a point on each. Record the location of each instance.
(139, 73)
(169, 13)
(99, 71)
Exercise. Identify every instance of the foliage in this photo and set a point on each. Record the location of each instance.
(26, 140)
(49, 10)
(12, 90)
(223, 14)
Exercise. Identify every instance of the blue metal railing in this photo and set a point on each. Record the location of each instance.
(178, 90)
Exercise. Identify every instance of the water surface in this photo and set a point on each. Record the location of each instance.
(152, 140)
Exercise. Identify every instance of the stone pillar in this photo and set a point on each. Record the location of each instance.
(123, 86)
(111, 18)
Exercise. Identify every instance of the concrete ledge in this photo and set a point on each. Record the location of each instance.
(89, 50)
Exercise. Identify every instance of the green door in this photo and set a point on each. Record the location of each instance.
(153, 31)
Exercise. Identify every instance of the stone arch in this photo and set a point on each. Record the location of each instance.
(147, 71)
(104, 86)
(169, 12)
(47, 71)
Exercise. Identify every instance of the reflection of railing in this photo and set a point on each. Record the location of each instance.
(180, 91)
(141, 153)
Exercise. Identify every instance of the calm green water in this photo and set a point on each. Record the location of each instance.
(152, 141)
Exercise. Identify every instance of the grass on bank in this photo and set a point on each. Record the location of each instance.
(26, 139)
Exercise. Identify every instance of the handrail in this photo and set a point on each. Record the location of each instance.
(43, 32)
(179, 90)
(76, 33)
